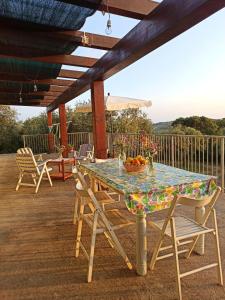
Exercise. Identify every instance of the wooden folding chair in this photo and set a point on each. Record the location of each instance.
(99, 221)
(29, 166)
(104, 199)
(179, 229)
(27, 150)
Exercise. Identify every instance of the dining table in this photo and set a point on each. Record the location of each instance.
(150, 191)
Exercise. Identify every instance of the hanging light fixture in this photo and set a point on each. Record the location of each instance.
(108, 29)
(84, 39)
(35, 87)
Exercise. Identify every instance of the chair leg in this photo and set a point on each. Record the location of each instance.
(220, 273)
(19, 181)
(49, 178)
(156, 252)
(79, 230)
(119, 248)
(173, 234)
(39, 181)
(34, 179)
(75, 215)
(92, 250)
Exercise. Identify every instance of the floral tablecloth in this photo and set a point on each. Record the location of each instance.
(151, 191)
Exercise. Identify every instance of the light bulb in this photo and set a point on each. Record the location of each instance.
(35, 87)
(108, 29)
(21, 99)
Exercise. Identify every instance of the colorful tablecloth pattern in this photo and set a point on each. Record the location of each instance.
(151, 191)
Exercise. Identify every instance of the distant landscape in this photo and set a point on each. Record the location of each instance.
(126, 121)
(162, 127)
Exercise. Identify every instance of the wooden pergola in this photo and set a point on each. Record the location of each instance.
(159, 23)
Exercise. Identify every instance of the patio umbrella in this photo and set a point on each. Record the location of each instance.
(116, 103)
(113, 103)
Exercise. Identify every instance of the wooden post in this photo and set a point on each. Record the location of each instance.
(98, 119)
(63, 128)
(50, 134)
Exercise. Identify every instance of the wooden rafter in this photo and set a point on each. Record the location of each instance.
(70, 74)
(137, 9)
(57, 82)
(63, 73)
(70, 60)
(34, 94)
(96, 41)
(56, 90)
(169, 19)
(33, 102)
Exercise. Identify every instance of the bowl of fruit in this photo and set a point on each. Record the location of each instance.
(135, 164)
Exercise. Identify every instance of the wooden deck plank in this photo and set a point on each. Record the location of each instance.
(37, 251)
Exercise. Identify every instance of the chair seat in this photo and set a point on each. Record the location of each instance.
(41, 167)
(101, 196)
(114, 216)
(184, 227)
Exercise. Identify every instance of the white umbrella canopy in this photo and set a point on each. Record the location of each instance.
(116, 103)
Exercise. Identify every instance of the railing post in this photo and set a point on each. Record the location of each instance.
(172, 150)
(24, 143)
(222, 162)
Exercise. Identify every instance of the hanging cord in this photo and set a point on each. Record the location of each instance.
(20, 94)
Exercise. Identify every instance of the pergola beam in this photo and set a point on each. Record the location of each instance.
(33, 102)
(70, 60)
(136, 9)
(63, 73)
(168, 20)
(70, 74)
(54, 95)
(96, 41)
(56, 90)
(56, 82)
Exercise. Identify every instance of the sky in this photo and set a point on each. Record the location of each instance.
(184, 77)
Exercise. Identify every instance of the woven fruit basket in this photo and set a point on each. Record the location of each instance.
(133, 168)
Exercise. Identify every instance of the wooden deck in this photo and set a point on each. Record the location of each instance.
(37, 251)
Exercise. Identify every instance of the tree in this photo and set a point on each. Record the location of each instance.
(204, 125)
(10, 139)
(128, 120)
(184, 130)
(132, 121)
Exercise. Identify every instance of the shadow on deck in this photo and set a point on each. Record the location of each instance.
(37, 251)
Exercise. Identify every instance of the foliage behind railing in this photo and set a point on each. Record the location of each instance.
(38, 142)
(197, 153)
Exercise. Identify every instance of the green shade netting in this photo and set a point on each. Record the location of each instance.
(50, 13)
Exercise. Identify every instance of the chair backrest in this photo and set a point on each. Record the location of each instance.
(207, 201)
(93, 204)
(84, 148)
(26, 162)
(25, 150)
(78, 185)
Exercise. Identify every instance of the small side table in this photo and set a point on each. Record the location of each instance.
(61, 163)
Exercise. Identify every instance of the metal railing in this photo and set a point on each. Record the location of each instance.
(38, 142)
(203, 154)
(79, 138)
